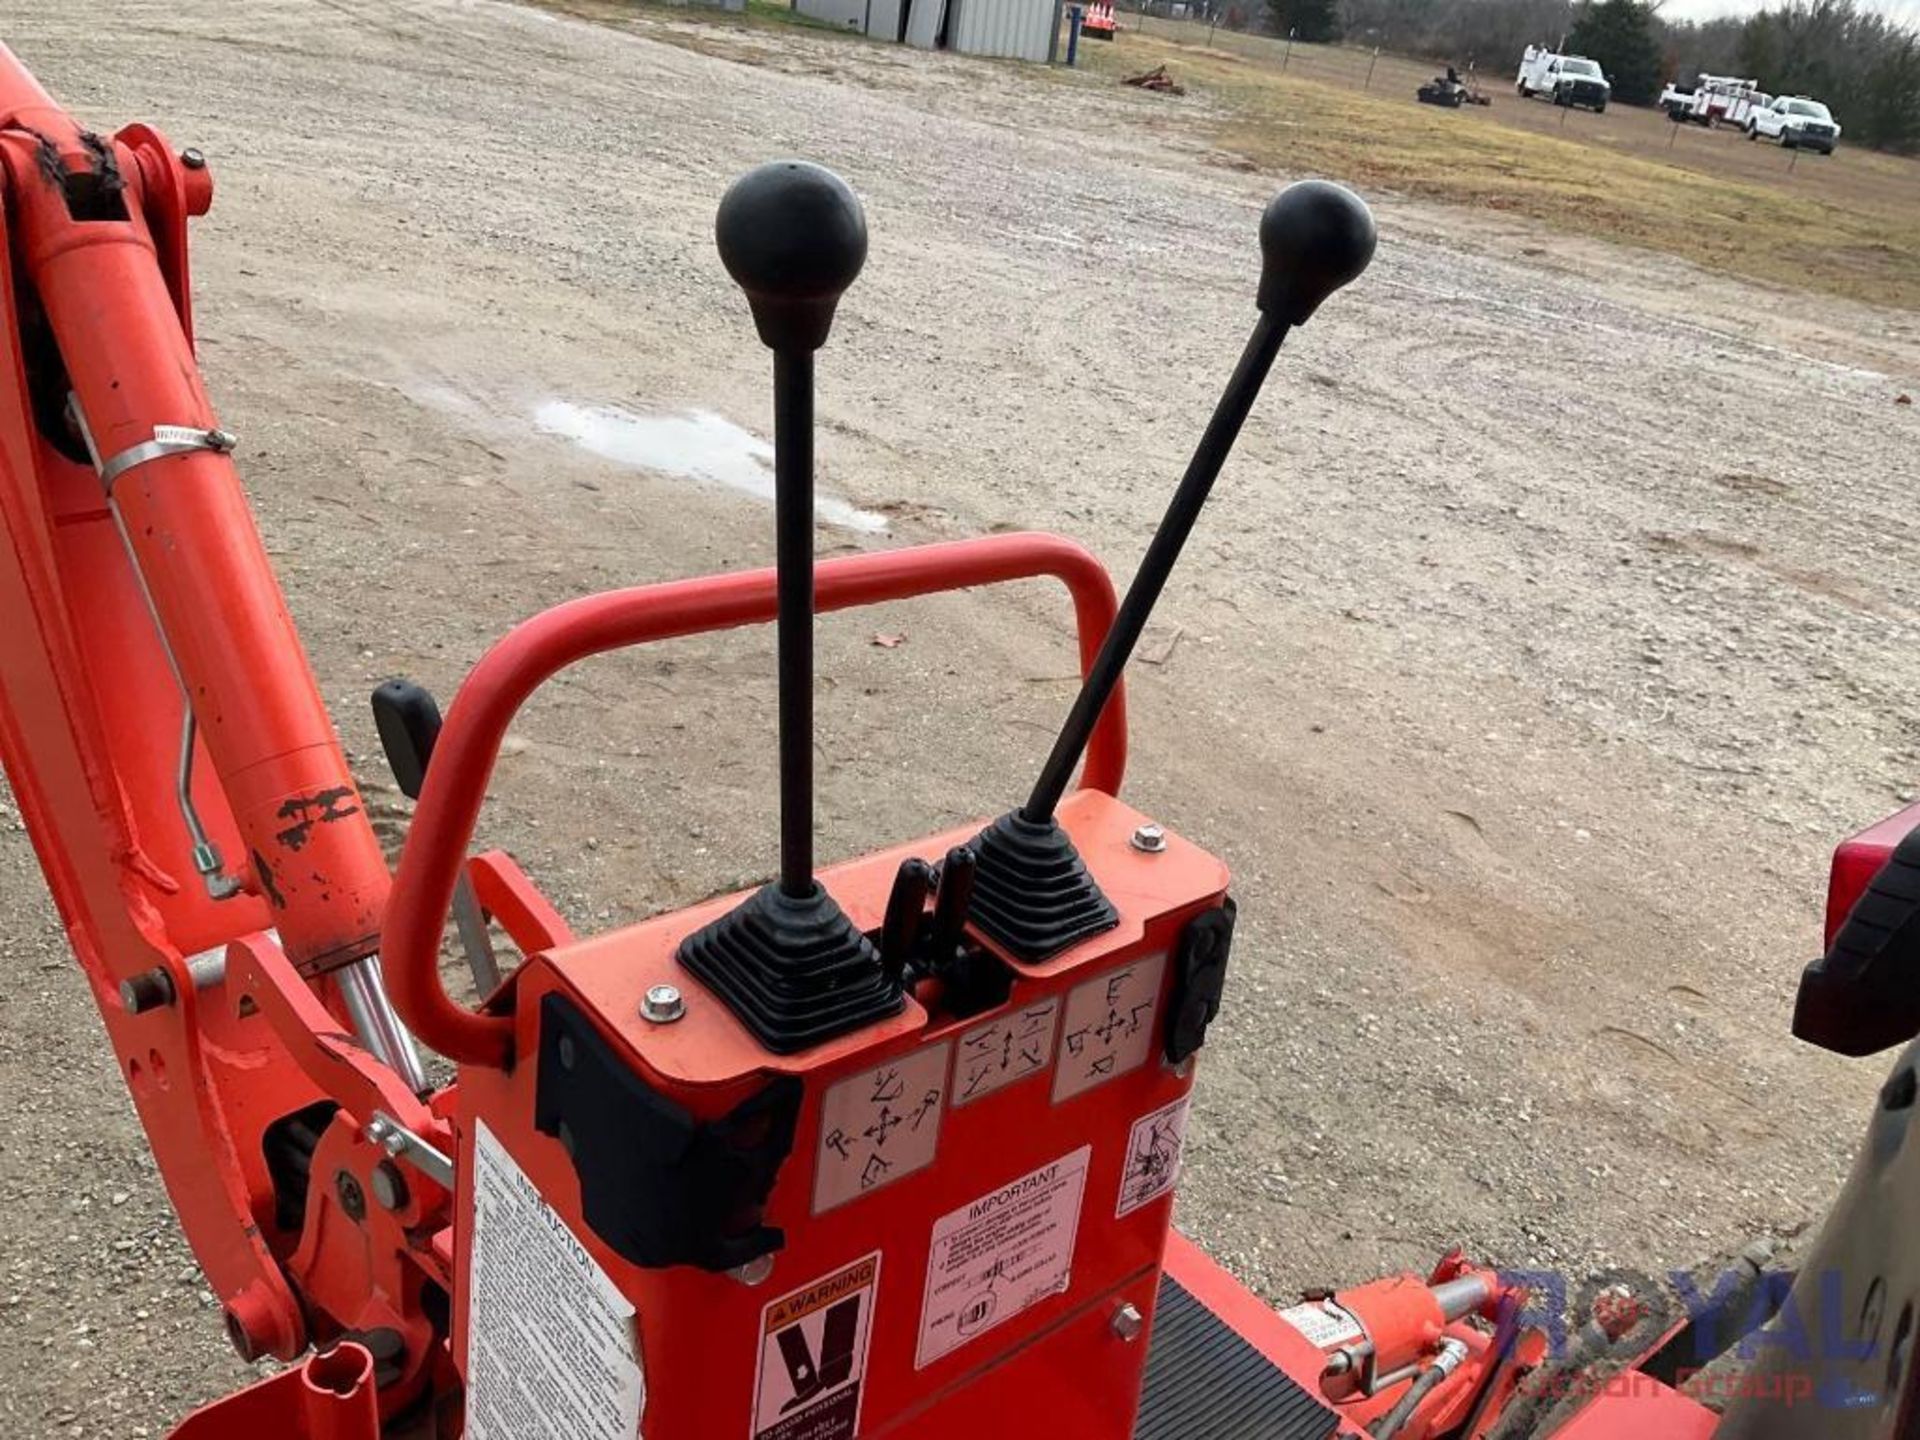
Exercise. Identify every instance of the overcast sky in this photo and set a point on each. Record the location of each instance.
(1907, 10)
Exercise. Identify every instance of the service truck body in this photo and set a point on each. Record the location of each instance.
(1563, 79)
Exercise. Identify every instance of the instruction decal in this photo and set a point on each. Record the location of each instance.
(1108, 1030)
(1153, 1156)
(813, 1357)
(1012, 1047)
(1325, 1323)
(552, 1353)
(1004, 1253)
(879, 1126)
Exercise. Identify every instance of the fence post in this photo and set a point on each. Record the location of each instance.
(1370, 64)
(1291, 32)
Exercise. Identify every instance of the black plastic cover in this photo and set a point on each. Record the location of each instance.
(1199, 979)
(1863, 995)
(657, 1185)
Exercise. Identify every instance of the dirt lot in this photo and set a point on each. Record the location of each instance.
(1553, 621)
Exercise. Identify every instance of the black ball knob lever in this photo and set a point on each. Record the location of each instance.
(793, 236)
(1314, 237)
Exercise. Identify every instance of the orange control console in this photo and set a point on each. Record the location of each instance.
(917, 1228)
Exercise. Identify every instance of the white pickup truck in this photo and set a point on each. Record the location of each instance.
(1797, 123)
(1563, 79)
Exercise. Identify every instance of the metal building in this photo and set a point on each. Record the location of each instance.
(1012, 29)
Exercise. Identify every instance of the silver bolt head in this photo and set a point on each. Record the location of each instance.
(663, 1004)
(389, 1188)
(1150, 838)
(1128, 1323)
(754, 1272)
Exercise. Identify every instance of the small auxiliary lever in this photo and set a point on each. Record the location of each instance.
(787, 960)
(1033, 894)
(906, 909)
(408, 720)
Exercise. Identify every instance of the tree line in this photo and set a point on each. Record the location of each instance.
(1866, 65)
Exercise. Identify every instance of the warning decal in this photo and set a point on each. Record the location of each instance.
(1016, 1045)
(1002, 1254)
(1325, 1323)
(1109, 1026)
(1153, 1156)
(813, 1357)
(879, 1126)
(552, 1353)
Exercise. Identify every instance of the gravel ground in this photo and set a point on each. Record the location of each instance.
(1552, 623)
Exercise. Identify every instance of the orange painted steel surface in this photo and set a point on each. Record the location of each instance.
(304, 839)
(329, 1397)
(539, 648)
(95, 346)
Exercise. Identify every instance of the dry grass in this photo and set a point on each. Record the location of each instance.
(1848, 226)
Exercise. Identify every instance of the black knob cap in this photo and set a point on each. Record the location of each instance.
(1315, 237)
(793, 236)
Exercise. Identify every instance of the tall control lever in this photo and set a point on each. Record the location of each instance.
(1032, 893)
(787, 960)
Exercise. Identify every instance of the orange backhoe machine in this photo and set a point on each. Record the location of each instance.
(885, 1148)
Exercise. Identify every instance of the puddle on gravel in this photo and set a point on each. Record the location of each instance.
(693, 445)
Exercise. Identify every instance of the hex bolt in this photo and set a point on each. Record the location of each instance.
(754, 1272)
(389, 1186)
(353, 1199)
(1128, 1323)
(1149, 839)
(663, 1004)
(149, 990)
(193, 159)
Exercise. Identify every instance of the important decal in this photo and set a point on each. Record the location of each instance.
(1004, 1253)
(1153, 1156)
(1108, 1029)
(1325, 1323)
(552, 1353)
(879, 1126)
(1012, 1047)
(813, 1357)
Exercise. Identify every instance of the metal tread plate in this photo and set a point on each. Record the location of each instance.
(1206, 1383)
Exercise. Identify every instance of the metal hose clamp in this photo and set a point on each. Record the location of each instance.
(167, 440)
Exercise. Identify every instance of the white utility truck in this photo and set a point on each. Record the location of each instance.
(1563, 79)
(1715, 100)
